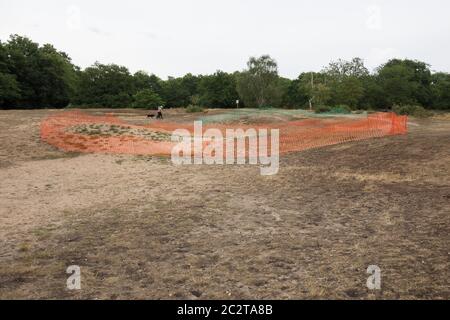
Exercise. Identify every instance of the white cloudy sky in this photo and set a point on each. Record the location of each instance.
(174, 37)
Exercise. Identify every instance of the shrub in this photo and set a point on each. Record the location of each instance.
(342, 109)
(415, 111)
(193, 109)
(322, 109)
(147, 99)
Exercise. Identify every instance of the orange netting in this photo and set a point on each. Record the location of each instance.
(80, 132)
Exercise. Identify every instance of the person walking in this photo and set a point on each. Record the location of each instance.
(159, 114)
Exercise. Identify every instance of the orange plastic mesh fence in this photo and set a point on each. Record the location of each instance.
(80, 132)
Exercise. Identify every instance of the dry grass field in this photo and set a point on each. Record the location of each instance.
(141, 228)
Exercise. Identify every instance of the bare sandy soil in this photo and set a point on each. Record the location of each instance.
(140, 227)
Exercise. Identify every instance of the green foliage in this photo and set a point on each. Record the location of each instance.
(322, 109)
(105, 85)
(194, 109)
(315, 88)
(195, 100)
(177, 92)
(406, 82)
(9, 89)
(440, 88)
(295, 95)
(194, 106)
(411, 110)
(142, 80)
(34, 76)
(218, 90)
(341, 69)
(341, 109)
(321, 94)
(259, 84)
(348, 90)
(344, 79)
(147, 99)
(373, 97)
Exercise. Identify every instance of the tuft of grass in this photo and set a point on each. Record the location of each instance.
(43, 232)
(24, 247)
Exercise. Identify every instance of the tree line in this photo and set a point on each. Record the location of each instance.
(35, 76)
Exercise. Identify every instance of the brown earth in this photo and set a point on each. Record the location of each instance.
(140, 227)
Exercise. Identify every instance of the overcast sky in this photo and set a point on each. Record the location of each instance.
(174, 37)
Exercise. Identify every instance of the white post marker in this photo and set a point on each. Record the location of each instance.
(237, 104)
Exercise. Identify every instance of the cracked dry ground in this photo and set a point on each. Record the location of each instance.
(140, 227)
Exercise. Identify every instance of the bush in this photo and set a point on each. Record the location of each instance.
(322, 109)
(193, 109)
(147, 99)
(415, 111)
(341, 109)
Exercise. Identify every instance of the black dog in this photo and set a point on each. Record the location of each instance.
(158, 115)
